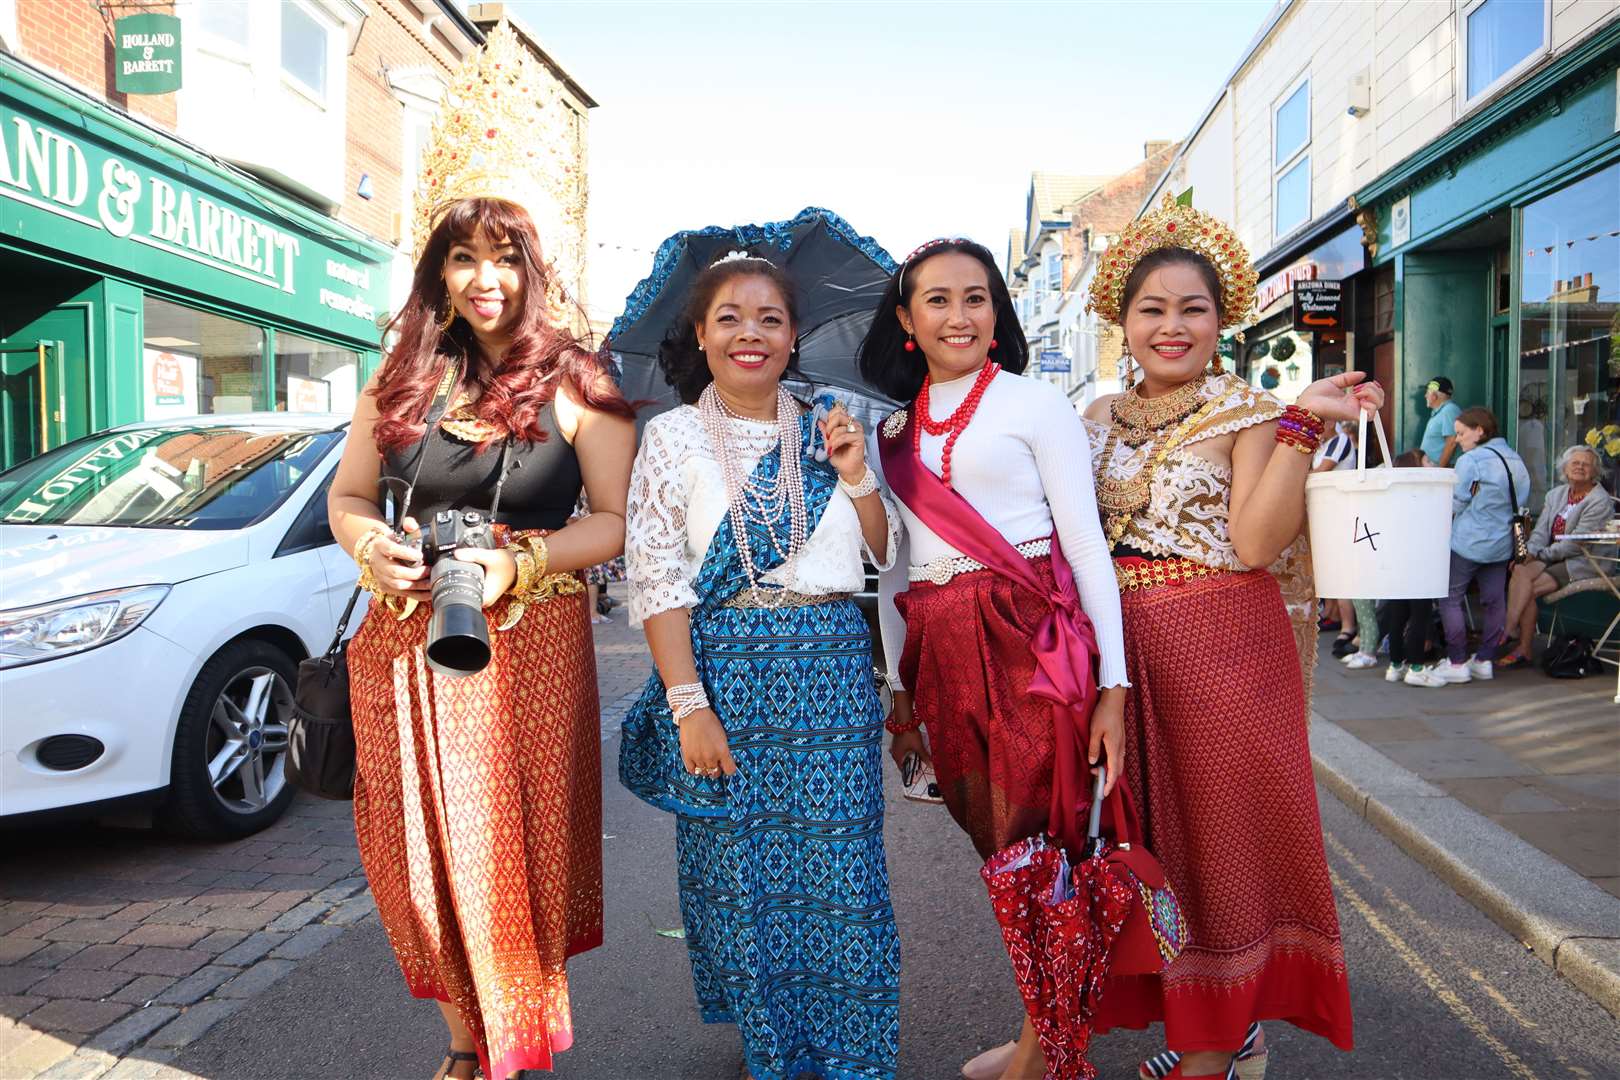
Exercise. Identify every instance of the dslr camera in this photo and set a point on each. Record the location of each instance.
(458, 632)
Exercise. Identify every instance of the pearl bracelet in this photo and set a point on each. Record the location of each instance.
(686, 699)
(867, 485)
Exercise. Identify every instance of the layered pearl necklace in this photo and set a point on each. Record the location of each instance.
(952, 426)
(751, 498)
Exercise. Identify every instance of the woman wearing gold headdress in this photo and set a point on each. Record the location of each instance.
(1201, 483)
(477, 799)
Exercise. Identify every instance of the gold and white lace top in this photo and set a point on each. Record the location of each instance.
(1190, 495)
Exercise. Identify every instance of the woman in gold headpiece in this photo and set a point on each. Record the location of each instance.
(477, 798)
(1201, 483)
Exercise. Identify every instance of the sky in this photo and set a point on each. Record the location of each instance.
(910, 119)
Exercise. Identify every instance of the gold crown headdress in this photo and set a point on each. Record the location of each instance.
(498, 135)
(1176, 226)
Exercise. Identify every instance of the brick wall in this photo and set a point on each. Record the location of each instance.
(71, 39)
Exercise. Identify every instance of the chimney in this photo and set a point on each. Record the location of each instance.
(1154, 146)
(1589, 279)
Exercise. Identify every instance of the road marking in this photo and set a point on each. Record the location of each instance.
(1432, 979)
(1507, 1006)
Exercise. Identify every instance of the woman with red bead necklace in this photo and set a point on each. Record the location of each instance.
(1004, 556)
(1201, 480)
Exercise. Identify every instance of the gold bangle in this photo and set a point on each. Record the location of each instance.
(541, 552)
(524, 585)
(362, 547)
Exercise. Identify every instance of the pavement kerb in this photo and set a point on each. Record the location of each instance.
(1570, 923)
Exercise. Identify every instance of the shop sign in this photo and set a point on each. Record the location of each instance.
(1054, 360)
(146, 54)
(135, 209)
(1279, 285)
(308, 395)
(1318, 306)
(1400, 221)
(171, 384)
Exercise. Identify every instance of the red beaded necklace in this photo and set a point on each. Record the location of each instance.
(952, 426)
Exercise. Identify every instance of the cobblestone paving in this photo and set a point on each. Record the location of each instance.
(118, 947)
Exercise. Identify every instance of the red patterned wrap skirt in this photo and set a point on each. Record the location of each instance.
(1218, 759)
(968, 665)
(478, 808)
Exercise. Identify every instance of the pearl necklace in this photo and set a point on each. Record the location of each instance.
(751, 498)
(952, 426)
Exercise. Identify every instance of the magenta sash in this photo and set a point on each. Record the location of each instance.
(1064, 643)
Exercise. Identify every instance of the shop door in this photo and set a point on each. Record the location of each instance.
(1447, 316)
(44, 392)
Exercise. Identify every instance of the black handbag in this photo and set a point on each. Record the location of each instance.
(320, 735)
(1569, 656)
(1518, 523)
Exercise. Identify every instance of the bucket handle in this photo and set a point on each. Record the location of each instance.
(1361, 441)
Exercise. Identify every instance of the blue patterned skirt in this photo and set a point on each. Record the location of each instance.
(785, 897)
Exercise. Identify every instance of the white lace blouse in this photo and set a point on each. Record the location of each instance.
(678, 500)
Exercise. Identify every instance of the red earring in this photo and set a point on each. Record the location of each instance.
(994, 343)
(911, 344)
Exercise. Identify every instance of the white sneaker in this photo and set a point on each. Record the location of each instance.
(1395, 673)
(1452, 673)
(1360, 661)
(1480, 669)
(1418, 675)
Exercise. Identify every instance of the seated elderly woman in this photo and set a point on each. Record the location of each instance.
(1579, 505)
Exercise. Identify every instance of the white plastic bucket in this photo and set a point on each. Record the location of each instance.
(1380, 534)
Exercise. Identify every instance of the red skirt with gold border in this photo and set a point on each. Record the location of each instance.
(1218, 759)
(478, 808)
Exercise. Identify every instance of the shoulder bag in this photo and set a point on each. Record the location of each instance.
(1518, 521)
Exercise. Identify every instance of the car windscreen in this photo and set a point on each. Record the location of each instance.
(185, 476)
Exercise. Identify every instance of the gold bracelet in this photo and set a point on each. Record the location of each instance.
(526, 575)
(541, 552)
(367, 541)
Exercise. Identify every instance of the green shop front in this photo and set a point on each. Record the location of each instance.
(1502, 239)
(143, 280)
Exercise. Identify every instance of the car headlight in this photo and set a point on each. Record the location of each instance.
(63, 627)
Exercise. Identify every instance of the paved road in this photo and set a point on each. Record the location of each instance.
(1440, 992)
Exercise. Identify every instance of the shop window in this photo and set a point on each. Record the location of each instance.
(1502, 37)
(1569, 311)
(313, 377)
(1291, 160)
(305, 41)
(198, 362)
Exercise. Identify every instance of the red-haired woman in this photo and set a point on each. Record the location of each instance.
(477, 798)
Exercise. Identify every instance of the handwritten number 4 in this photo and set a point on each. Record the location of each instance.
(1361, 533)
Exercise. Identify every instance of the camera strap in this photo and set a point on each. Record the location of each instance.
(441, 398)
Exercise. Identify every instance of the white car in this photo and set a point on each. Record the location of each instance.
(159, 584)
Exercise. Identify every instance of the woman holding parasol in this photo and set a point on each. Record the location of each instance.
(761, 730)
(1201, 480)
(985, 460)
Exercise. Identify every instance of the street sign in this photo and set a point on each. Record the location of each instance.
(1318, 306)
(146, 54)
(1054, 360)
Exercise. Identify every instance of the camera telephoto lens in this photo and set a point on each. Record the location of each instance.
(458, 633)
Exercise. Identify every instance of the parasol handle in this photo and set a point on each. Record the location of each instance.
(1094, 825)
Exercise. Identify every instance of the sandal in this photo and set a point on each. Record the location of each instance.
(453, 1057)
(1512, 660)
(1247, 1063)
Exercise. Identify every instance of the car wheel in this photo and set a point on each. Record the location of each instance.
(228, 778)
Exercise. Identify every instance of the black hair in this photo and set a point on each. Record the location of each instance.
(685, 366)
(1172, 256)
(884, 361)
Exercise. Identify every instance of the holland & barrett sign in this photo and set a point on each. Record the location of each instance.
(146, 54)
(142, 211)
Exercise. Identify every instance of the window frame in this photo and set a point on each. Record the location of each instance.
(320, 97)
(1296, 155)
(223, 47)
(1465, 103)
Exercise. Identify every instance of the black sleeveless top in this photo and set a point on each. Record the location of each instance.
(541, 489)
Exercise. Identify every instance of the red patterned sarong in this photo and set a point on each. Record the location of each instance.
(968, 663)
(1217, 756)
(478, 808)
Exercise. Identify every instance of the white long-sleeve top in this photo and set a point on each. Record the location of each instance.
(678, 500)
(1023, 463)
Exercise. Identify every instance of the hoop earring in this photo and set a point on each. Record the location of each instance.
(448, 317)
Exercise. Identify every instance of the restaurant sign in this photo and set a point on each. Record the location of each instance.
(139, 210)
(1318, 306)
(146, 54)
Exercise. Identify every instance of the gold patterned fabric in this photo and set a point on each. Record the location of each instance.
(478, 809)
(1189, 505)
